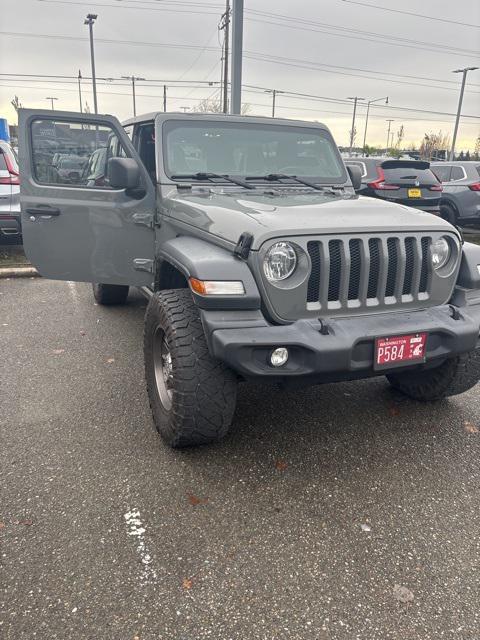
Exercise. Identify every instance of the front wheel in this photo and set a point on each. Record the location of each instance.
(192, 395)
(110, 294)
(452, 377)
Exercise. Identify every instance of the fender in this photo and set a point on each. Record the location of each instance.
(197, 258)
(469, 274)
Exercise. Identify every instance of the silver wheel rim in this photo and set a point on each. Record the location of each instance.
(162, 362)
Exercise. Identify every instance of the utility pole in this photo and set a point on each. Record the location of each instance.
(459, 110)
(133, 79)
(237, 55)
(80, 90)
(366, 119)
(164, 98)
(51, 101)
(225, 26)
(90, 19)
(274, 93)
(388, 134)
(352, 132)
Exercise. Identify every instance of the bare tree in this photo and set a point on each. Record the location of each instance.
(214, 105)
(432, 143)
(16, 104)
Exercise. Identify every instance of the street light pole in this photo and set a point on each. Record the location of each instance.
(90, 19)
(366, 119)
(237, 55)
(80, 90)
(459, 110)
(226, 25)
(388, 133)
(133, 79)
(352, 132)
(51, 101)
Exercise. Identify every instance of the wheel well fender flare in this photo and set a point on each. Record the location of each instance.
(196, 258)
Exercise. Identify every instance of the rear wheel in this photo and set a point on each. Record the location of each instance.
(454, 376)
(191, 394)
(449, 213)
(110, 294)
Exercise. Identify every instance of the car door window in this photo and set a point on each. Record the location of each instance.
(443, 172)
(73, 153)
(144, 143)
(457, 174)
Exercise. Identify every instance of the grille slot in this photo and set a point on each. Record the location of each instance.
(367, 272)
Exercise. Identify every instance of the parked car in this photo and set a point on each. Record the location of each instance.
(71, 167)
(259, 260)
(460, 201)
(10, 225)
(409, 182)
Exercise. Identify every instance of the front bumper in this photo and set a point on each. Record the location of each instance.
(346, 352)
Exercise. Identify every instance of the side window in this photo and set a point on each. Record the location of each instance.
(129, 131)
(73, 153)
(443, 172)
(457, 173)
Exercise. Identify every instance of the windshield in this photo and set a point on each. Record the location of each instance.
(251, 150)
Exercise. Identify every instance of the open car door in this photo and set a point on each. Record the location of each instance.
(76, 225)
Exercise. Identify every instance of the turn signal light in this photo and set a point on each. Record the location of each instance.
(217, 287)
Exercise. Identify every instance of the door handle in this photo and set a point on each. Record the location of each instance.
(43, 211)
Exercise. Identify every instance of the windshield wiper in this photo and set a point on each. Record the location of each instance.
(274, 177)
(208, 176)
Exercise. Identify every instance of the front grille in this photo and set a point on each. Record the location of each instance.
(365, 272)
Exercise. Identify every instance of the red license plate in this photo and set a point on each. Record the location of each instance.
(395, 350)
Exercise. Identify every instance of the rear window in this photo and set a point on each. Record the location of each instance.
(478, 170)
(408, 174)
(457, 173)
(3, 164)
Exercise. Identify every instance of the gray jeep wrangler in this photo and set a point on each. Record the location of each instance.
(258, 258)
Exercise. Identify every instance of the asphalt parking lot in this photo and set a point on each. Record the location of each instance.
(339, 512)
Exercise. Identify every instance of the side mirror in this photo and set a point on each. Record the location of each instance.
(123, 173)
(355, 174)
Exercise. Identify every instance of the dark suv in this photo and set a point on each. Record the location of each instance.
(409, 182)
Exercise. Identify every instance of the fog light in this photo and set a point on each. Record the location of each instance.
(279, 356)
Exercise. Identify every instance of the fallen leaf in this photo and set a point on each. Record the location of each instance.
(470, 427)
(110, 360)
(82, 332)
(281, 465)
(394, 411)
(194, 501)
(58, 351)
(2, 524)
(27, 523)
(402, 594)
(187, 583)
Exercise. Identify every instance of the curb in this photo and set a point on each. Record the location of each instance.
(19, 272)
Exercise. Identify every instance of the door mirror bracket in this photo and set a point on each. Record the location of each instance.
(355, 174)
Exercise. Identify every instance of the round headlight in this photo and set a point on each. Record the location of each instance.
(280, 261)
(440, 253)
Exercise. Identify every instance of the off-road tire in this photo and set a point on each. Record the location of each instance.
(454, 376)
(449, 213)
(110, 294)
(202, 389)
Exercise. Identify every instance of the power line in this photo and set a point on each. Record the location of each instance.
(119, 6)
(410, 13)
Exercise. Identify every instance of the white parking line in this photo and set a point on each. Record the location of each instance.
(137, 529)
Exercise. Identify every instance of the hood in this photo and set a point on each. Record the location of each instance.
(283, 213)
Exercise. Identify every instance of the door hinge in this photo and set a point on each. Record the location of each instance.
(145, 219)
(143, 264)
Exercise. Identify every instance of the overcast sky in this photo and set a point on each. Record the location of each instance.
(320, 48)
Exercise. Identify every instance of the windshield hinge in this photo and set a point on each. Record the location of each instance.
(143, 264)
(145, 219)
(243, 246)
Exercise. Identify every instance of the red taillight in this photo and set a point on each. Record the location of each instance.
(475, 186)
(380, 184)
(436, 187)
(14, 177)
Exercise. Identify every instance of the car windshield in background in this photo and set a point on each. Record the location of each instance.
(250, 150)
